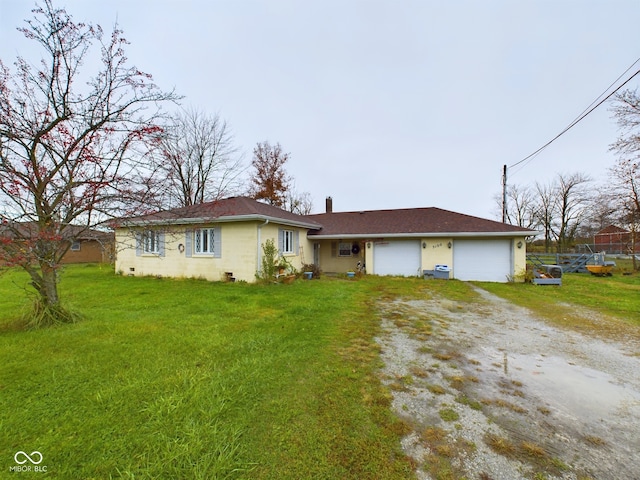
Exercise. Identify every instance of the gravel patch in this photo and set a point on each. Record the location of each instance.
(492, 392)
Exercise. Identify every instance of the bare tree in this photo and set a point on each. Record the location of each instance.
(545, 212)
(300, 203)
(625, 188)
(571, 206)
(199, 160)
(72, 145)
(602, 211)
(625, 174)
(269, 180)
(522, 206)
(626, 111)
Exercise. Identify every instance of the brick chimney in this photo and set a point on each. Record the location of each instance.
(329, 205)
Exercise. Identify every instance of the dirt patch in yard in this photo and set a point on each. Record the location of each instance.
(492, 392)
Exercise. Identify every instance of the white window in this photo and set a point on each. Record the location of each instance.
(151, 242)
(344, 249)
(75, 246)
(203, 241)
(287, 241)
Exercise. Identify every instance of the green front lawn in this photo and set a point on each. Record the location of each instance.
(173, 379)
(190, 379)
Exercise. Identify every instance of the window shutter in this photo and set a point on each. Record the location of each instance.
(138, 236)
(188, 237)
(161, 244)
(296, 245)
(280, 241)
(334, 249)
(217, 242)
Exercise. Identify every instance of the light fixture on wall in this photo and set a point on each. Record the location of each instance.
(519, 244)
(424, 244)
(449, 244)
(368, 244)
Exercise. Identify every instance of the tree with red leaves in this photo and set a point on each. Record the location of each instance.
(73, 146)
(269, 180)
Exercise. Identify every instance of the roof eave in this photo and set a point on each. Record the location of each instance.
(222, 219)
(364, 236)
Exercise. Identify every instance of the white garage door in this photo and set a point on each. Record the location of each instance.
(483, 260)
(397, 257)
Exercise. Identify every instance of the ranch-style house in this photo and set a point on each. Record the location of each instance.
(224, 239)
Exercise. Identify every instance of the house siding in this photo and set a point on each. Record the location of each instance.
(406, 240)
(331, 261)
(519, 258)
(239, 254)
(91, 251)
(615, 240)
(436, 251)
(303, 251)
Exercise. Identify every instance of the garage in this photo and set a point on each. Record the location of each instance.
(482, 260)
(397, 257)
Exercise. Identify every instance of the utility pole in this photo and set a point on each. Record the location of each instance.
(504, 194)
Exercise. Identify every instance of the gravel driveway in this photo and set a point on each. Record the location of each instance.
(492, 392)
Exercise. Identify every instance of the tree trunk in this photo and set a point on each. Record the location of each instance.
(633, 249)
(49, 287)
(47, 310)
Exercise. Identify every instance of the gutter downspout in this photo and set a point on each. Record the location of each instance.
(259, 249)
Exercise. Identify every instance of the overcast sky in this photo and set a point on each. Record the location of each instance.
(387, 104)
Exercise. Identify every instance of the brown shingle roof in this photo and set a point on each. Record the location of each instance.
(25, 230)
(228, 209)
(612, 229)
(413, 221)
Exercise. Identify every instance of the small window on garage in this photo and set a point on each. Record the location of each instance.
(75, 246)
(344, 249)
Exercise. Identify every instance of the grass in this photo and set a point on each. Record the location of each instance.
(191, 379)
(449, 414)
(534, 453)
(615, 298)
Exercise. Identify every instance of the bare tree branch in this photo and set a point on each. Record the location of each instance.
(199, 160)
(73, 146)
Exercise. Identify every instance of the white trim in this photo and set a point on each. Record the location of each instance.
(151, 242)
(373, 236)
(233, 218)
(288, 242)
(209, 240)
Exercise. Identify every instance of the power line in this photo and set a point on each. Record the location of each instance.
(595, 104)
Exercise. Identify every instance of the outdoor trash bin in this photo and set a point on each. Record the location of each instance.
(441, 271)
